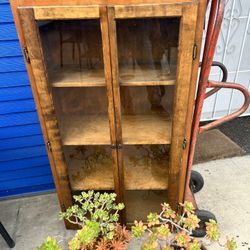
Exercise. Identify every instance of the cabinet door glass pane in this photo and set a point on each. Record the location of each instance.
(89, 167)
(146, 114)
(73, 52)
(147, 56)
(147, 50)
(146, 179)
(74, 60)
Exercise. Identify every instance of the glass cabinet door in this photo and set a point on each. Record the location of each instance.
(74, 61)
(147, 50)
(147, 56)
(71, 41)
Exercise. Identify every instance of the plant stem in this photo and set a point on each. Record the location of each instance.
(173, 223)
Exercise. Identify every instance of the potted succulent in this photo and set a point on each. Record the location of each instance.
(171, 231)
(97, 215)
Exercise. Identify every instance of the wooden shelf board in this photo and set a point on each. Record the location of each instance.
(85, 130)
(94, 129)
(69, 76)
(100, 175)
(145, 77)
(75, 77)
(146, 129)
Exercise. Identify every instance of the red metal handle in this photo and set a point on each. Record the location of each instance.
(224, 77)
(213, 29)
(244, 107)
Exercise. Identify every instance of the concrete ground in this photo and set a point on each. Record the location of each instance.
(226, 193)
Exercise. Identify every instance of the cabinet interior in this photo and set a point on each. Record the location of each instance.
(147, 55)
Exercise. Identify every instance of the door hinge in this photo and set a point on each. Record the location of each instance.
(49, 146)
(26, 54)
(195, 51)
(184, 143)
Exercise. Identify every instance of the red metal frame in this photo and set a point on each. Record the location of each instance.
(214, 26)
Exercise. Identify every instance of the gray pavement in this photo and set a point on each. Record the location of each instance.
(226, 193)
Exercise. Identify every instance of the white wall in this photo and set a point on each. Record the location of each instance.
(233, 49)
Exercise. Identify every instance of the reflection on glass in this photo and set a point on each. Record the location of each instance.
(139, 203)
(82, 115)
(73, 51)
(147, 56)
(146, 179)
(147, 114)
(151, 160)
(147, 99)
(90, 167)
(147, 50)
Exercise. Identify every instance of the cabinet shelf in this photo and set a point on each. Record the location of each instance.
(136, 129)
(100, 176)
(145, 77)
(85, 130)
(146, 129)
(76, 77)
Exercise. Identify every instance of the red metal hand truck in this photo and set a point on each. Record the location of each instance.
(213, 29)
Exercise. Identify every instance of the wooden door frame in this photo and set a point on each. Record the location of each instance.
(182, 99)
(116, 99)
(66, 12)
(200, 26)
(118, 177)
(187, 12)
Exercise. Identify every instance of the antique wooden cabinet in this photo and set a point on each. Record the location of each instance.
(114, 84)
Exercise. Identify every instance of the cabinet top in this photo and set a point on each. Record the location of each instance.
(89, 2)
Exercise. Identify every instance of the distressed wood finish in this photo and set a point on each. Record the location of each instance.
(66, 12)
(36, 59)
(152, 10)
(184, 71)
